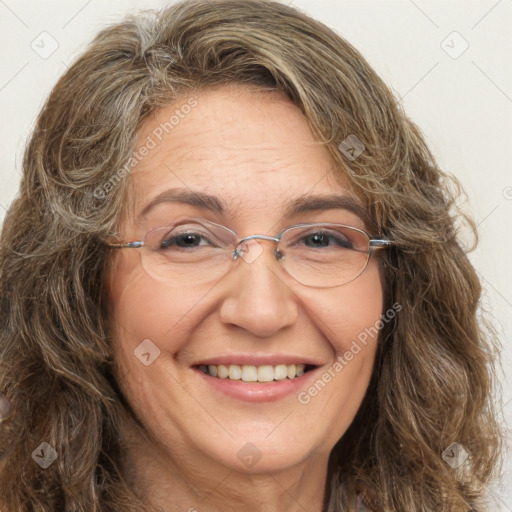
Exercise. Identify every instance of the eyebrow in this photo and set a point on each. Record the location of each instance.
(299, 205)
(178, 195)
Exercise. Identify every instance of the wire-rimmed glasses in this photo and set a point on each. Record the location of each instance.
(193, 251)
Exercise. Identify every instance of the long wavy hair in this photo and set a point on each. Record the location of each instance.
(433, 380)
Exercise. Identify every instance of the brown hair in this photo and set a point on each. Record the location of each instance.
(433, 377)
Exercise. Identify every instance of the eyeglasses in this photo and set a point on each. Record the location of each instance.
(197, 251)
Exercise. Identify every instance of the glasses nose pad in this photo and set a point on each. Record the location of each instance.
(239, 250)
(278, 254)
(248, 250)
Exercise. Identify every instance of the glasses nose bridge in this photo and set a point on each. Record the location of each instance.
(242, 241)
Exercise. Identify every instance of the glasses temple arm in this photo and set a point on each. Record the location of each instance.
(379, 243)
(129, 245)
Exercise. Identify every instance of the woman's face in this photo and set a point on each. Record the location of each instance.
(255, 153)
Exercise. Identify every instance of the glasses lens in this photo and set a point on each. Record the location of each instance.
(194, 251)
(188, 252)
(324, 255)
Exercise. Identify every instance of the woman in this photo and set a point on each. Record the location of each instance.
(232, 280)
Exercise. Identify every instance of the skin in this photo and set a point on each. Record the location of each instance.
(256, 152)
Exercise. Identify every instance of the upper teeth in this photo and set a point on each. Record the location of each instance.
(250, 373)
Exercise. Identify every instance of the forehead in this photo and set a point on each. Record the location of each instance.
(254, 149)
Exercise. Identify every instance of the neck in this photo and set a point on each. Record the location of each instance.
(189, 481)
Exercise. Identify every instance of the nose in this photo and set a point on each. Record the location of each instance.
(257, 295)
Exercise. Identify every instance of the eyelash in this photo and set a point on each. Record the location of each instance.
(171, 241)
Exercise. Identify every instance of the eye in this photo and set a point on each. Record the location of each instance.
(327, 238)
(187, 239)
(190, 236)
(182, 240)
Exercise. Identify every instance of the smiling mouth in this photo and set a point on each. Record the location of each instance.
(251, 373)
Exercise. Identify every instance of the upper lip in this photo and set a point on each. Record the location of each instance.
(258, 360)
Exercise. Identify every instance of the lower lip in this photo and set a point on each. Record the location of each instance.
(257, 391)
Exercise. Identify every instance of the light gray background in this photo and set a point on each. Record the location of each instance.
(462, 101)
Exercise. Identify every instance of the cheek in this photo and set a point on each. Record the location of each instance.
(350, 315)
(143, 310)
(349, 318)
